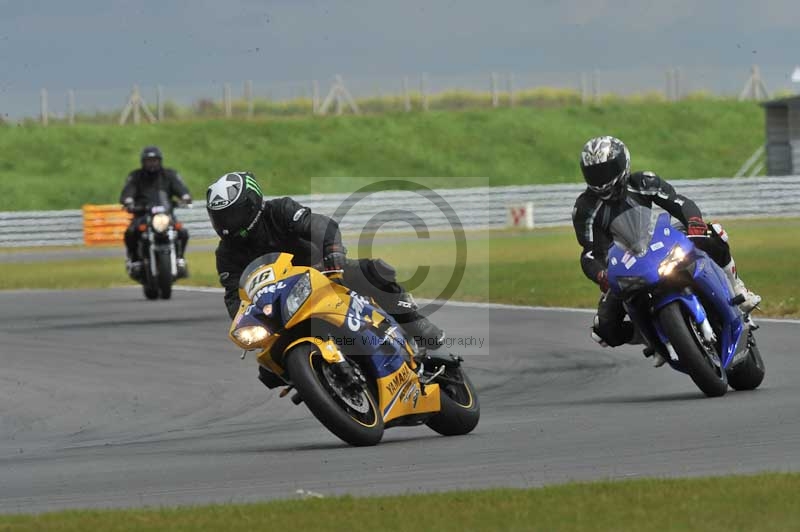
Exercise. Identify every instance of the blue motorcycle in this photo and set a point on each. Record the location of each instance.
(682, 303)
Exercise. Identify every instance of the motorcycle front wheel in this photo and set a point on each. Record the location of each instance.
(164, 276)
(348, 411)
(700, 360)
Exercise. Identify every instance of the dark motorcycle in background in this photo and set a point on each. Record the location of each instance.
(158, 248)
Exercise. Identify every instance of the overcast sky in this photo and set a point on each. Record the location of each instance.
(109, 44)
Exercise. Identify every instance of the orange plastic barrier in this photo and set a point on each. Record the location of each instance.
(104, 224)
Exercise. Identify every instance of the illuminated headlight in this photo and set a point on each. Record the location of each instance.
(298, 295)
(671, 261)
(160, 222)
(251, 335)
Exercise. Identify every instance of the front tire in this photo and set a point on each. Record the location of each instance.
(461, 410)
(701, 362)
(164, 276)
(748, 374)
(355, 419)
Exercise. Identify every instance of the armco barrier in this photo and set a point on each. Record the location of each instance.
(474, 208)
(104, 224)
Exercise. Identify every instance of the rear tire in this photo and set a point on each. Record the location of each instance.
(749, 373)
(461, 410)
(307, 372)
(702, 365)
(164, 276)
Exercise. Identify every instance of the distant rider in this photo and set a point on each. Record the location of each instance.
(250, 226)
(142, 189)
(611, 190)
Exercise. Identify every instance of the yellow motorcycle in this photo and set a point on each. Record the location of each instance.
(345, 357)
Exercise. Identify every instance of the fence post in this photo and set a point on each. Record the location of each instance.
(136, 99)
(511, 89)
(71, 107)
(44, 107)
(406, 96)
(676, 80)
(594, 85)
(668, 90)
(160, 103)
(226, 99)
(315, 97)
(495, 98)
(248, 96)
(584, 88)
(423, 89)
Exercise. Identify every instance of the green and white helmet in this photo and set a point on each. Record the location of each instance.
(234, 203)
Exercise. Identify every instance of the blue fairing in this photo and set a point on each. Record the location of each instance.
(385, 353)
(710, 284)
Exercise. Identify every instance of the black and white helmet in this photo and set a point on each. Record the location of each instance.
(606, 166)
(234, 203)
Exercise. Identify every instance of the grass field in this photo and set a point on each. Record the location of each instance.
(64, 167)
(762, 503)
(533, 268)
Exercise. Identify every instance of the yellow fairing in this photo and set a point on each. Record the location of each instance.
(400, 395)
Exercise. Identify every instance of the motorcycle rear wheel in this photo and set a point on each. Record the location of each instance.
(748, 374)
(307, 371)
(703, 366)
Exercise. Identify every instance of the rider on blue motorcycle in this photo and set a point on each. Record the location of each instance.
(611, 190)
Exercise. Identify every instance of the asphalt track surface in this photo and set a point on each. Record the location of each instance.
(108, 400)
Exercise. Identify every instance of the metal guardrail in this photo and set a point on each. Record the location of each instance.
(472, 208)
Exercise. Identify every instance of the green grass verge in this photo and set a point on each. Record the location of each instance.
(533, 268)
(763, 503)
(63, 167)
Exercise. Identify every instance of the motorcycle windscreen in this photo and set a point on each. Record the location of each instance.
(633, 229)
(263, 260)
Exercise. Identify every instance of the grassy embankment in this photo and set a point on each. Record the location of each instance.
(62, 167)
(763, 503)
(534, 268)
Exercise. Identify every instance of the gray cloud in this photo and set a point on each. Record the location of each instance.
(112, 43)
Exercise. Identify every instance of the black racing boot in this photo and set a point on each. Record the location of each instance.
(425, 333)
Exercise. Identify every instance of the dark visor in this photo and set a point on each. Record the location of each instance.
(600, 175)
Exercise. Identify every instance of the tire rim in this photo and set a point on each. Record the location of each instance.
(709, 350)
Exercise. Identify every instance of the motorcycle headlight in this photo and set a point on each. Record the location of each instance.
(251, 335)
(160, 222)
(298, 295)
(671, 261)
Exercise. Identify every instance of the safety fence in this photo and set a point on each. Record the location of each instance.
(444, 209)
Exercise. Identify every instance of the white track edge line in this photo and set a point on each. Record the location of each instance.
(496, 306)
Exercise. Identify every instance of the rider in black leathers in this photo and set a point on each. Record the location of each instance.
(612, 189)
(141, 189)
(250, 226)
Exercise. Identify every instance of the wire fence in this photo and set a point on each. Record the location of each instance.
(420, 91)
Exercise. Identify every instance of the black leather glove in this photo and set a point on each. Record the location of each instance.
(334, 262)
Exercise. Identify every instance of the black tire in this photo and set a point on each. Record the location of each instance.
(702, 365)
(306, 365)
(461, 409)
(149, 285)
(164, 276)
(749, 373)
